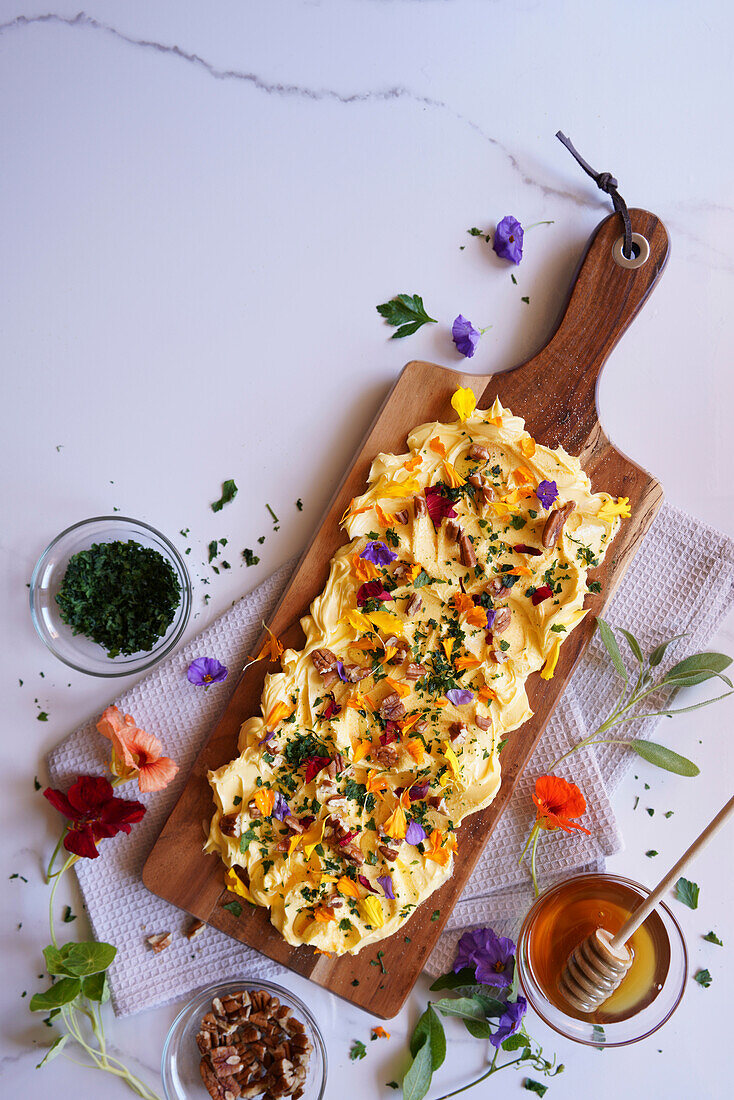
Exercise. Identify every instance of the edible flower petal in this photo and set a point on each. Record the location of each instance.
(235, 885)
(509, 1022)
(135, 752)
(384, 519)
(528, 446)
(361, 749)
(378, 553)
(323, 914)
(281, 809)
(460, 696)
(470, 661)
(93, 812)
(416, 749)
(205, 671)
(398, 489)
(491, 956)
(440, 506)
(415, 833)
(454, 478)
(463, 402)
(551, 661)
(522, 475)
(558, 802)
(466, 338)
(547, 493)
(436, 445)
(271, 649)
(372, 912)
(313, 836)
(314, 765)
(363, 570)
(372, 590)
(544, 592)
(385, 882)
(436, 850)
(348, 888)
(508, 239)
(278, 714)
(332, 707)
(452, 758)
(380, 1033)
(358, 622)
(265, 800)
(364, 881)
(611, 508)
(387, 622)
(448, 646)
(477, 617)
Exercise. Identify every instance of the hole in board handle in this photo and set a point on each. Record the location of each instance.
(640, 251)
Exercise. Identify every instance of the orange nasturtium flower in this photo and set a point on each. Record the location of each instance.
(323, 914)
(363, 569)
(436, 850)
(558, 803)
(383, 518)
(135, 752)
(380, 1033)
(437, 446)
(462, 603)
(414, 463)
(279, 712)
(272, 648)
(265, 800)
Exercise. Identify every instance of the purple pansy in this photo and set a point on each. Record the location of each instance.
(341, 673)
(385, 882)
(547, 493)
(507, 241)
(509, 1022)
(281, 809)
(205, 671)
(378, 553)
(415, 833)
(491, 956)
(465, 336)
(459, 696)
(491, 616)
(268, 737)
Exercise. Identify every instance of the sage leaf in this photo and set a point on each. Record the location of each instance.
(663, 757)
(56, 1047)
(633, 644)
(687, 892)
(82, 959)
(607, 636)
(697, 669)
(430, 1029)
(60, 993)
(694, 706)
(417, 1080)
(659, 651)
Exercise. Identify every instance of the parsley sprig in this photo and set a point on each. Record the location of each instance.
(408, 312)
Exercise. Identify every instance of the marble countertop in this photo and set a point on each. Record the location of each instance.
(203, 203)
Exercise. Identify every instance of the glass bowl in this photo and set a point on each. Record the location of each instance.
(614, 1032)
(76, 650)
(181, 1057)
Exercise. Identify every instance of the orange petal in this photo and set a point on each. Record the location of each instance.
(523, 476)
(348, 888)
(414, 463)
(468, 662)
(437, 446)
(265, 800)
(382, 516)
(528, 446)
(157, 775)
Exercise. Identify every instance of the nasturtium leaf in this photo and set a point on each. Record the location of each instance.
(417, 1080)
(607, 636)
(659, 651)
(633, 644)
(429, 1028)
(663, 757)
(687, 892)
(96, 987)
(82, 959)
(56, 1047)
(60, 993)
(697, 669)
(54, 960)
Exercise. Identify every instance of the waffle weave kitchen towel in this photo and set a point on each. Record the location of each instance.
(678, 552)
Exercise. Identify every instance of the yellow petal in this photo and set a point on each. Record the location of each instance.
(348, 888)
(372, 911)
(550, 664)
(464, 403)
(453, 478)
(523, 476)
(387, 622)
(236, 886)
(359, 622)
(448, 645)
(361, 749)
(528, 446)
(397, 489)
(313, 836)
(265, 800)
(452, 758)
(382, 516)
(293, 843)
(611, 508)
(396, 825)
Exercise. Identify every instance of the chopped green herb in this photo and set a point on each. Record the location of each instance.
(229, 492)
(669, 813)
(558, 629)
(68, 916)
(687, 892)
(212, 550)
(42, 716)
(713, 938)
(234, 908)
(651, 853)
(513, 279)
(407, 312)
(534, 1086)
(36, 784)
(650, 811)
(703, 977)
(422, 579)
(526, 300)
(435, 914)
(299, 504)
(594, 586)
(359, 1050)
(272, 513)
(250, 557)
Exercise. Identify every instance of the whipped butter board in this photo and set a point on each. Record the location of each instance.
(555, 392)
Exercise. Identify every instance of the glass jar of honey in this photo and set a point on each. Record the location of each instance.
(561, 918)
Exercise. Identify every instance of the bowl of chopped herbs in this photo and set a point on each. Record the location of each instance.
(110, 596)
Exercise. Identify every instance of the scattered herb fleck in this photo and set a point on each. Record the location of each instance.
(299, 504)
(229, 492)
(687, 892)
(713, 938)
(703, 977)
(42, 716)
(435, 914)
(534, 1086)
(68, 916)
(234, 908)
(526, 300)
(651, 853)
(358, 1050)
(250, 557)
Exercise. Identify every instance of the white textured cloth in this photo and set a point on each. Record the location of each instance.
(678, 555)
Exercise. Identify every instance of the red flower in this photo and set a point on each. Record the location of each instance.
(540, 594)
(440, 506)
(372, 590)
(93, 812)
(314, 766)
(558, 802)
(332, 707)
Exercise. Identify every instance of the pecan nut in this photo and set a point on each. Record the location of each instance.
(231, 824)
(466, 551)
(502, 620)
(415, 603)
(391, 708)
(554, 524)
(324, 661)
(420, 507)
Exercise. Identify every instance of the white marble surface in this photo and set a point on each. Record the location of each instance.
(202, 204)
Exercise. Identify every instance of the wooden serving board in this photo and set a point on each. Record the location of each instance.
(556, 394)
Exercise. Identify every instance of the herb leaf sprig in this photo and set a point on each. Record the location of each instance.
(408, 312)
(696, 669)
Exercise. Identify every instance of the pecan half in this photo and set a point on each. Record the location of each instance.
(457, 733)
(387, 755)
(231, 824)
(498, 656)
(390, 854)
(391, 708)
(420, 508)
(194, 929)
(478, 453)
(483, 723)
(414, 671)
(355, 673)
(467, 555)
(401, 516)
(352, 853)
(324, 661)
(421, 725)
(160, 941)
(502, 620)
(453, 529)
(554, 524)
(415, 603)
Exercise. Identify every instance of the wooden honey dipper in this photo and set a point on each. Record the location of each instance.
(597, 966)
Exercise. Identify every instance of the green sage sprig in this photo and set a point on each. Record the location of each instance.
(644, 682)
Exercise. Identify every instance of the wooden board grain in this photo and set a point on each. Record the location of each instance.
(555, 392)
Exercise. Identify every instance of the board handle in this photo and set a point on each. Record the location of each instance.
(607, 294)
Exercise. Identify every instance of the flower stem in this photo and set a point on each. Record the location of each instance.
(53, 857)
(494, 1068)
(536, 830)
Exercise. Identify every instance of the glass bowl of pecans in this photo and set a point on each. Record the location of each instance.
(244, 1039)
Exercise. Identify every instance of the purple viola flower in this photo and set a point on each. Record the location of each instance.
(465, 336)
(341, 673)
(459, 696)
(281, 809)
(385, 882)
(547, 493)
(491, 956)
(415, 833)
(508, 238)
(205, 671)
(268, 737)
(378, 553)
(491, 616)
(509, 1022)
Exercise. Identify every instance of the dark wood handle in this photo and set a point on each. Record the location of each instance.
(605, 298)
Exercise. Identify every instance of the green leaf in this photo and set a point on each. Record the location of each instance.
(408, 312)
(515, 1042)
(68, 916)
(96, 987)
(429, 1029)
(56, 1047)
(54, 960)
(421, 579)
(607, 636)
(234, 908)
(687, 892)
(358, 1050)
(633, 644)
(452, 980)
(703, 977)
(229, 492)
(697, 669)
(417, 1080)
(480, 1029)
(695, 706)
(713, 938)
(60, 993)
(476, 1007)
(534, 1086)
(663, 757)
(659, 651)
(82, 959)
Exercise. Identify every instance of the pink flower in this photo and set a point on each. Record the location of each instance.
(136, 752)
